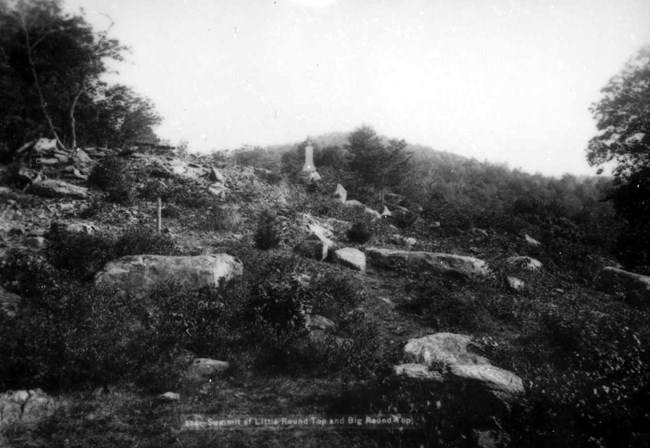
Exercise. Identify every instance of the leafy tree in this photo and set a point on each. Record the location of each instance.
(623, 119)
(378, 164)
(51, 66)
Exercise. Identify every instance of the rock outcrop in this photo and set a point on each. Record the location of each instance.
(426, 262)
(144, 272)
(525, 262)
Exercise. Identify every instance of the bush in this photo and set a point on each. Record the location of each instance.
(359, 233)
(267, 235)
(81, 255)
(178, 191)
(220, 219)
(112, 176)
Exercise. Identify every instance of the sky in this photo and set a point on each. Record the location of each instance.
(507, 81)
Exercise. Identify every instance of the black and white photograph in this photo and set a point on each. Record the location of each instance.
(325, 223)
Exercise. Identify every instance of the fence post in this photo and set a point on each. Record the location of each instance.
(159, 215)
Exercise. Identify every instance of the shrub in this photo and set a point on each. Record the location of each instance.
(112, 176)
(220, 219)
(81, 255)
(359, 233)
(266, 235)
(143, 240)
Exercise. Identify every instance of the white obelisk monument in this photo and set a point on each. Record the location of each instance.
(308, 167)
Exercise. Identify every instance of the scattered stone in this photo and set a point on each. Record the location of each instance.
(28, 175)
(9, 302)
(47, 161)
(315, 246)
(318, 322)
(478, 232)
(516, 284)
(215, 175)
(340, 194)
(429, 262)
(44, 145)
(143, 272)
(314, 177)
(351, 257)
(531, 241)
(58, 188)
(434, 225)
(386, 213)
(634, 287)
(417, 371)
(218, 190)
(36, 242)
(525, 262)
(353, 203)
(169, 396)
(205, 368)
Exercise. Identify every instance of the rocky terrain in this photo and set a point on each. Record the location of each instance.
(483, 338)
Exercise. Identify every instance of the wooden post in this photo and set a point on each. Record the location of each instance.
(159, 215)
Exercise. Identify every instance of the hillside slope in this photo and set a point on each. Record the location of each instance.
(522, 350)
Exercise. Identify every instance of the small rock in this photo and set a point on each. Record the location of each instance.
(204, 368)
(169, 396)
(340, 194)
(318, 322)
(531, 241)
(516, 284)
(525, 262)
(36, 242)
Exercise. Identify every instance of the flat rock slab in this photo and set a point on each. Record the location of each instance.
(57, 188)
(351, 258)
(442, 349)
(488, 377)
(430, 262)
(144, 272)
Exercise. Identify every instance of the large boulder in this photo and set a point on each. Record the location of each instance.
(25, 406)
(485, 387)
(351, 257)
(635, 288)
(143, 272)
(429, 262)
(57, 188)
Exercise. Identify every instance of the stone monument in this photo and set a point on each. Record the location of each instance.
(308, 167)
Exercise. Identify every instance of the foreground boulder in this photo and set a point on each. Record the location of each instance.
(429, 262)
(448, 357)
(144, 272)
(57, 188)
(635, 288)
(25, 406)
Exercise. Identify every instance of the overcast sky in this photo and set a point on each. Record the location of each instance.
(498, 80)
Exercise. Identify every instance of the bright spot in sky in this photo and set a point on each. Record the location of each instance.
(499, 80)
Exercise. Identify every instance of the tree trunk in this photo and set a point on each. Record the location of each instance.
(73, 122)
(37, 84)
